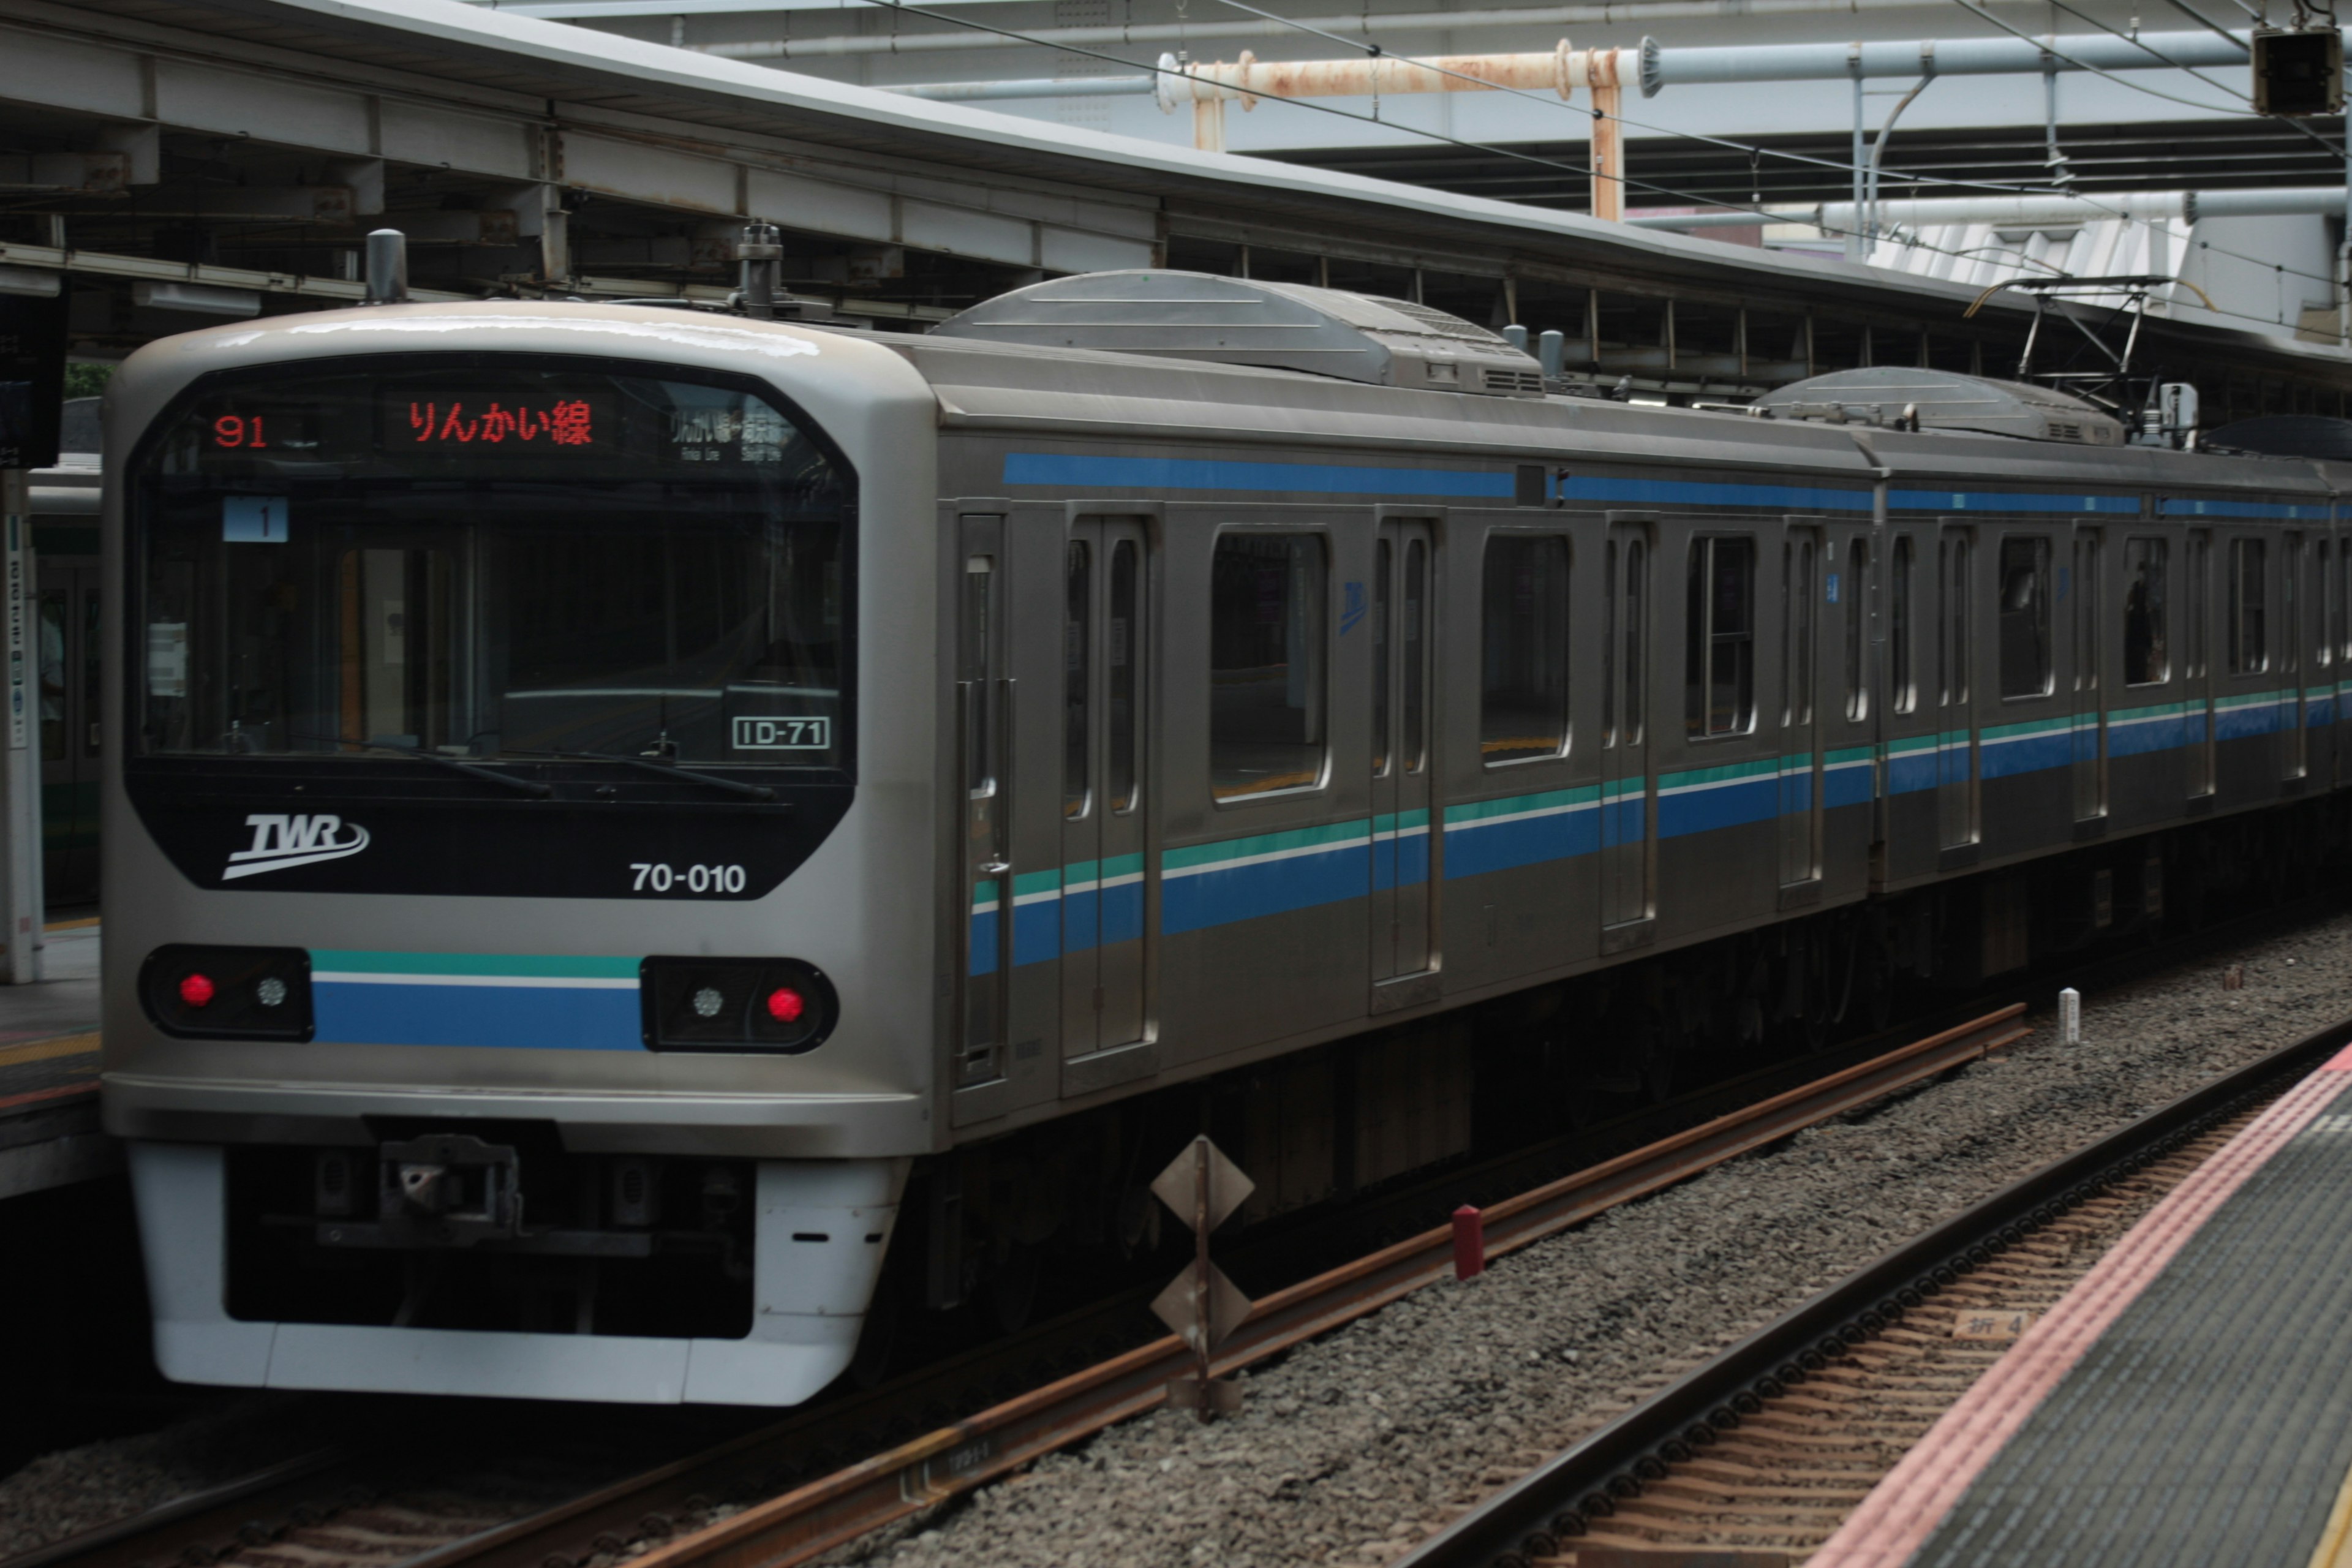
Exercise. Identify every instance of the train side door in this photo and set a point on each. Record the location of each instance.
(2197, 662)
(2295, 748)
(2087, 728)
(1105, 707)
(1403, 825)
(1801, 760)
(983, 695)
(67, 671)
(1956, 740)
(1628, 784)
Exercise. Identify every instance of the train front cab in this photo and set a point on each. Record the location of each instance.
(526, 756)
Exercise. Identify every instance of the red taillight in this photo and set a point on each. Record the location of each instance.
(196, 990)
(786, 1004)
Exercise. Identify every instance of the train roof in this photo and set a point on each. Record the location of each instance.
(1085, 392)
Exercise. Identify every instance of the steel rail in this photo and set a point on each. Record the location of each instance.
(1539, 1514)
(162, 1533)
(922, 1473)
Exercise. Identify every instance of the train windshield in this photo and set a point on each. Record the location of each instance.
(492, 557)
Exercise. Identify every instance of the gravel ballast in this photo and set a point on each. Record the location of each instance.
(1348, 1449)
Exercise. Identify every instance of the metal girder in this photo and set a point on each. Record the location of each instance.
(1017, 223)
(99, 264)
(77, 174)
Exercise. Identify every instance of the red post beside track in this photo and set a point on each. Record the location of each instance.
(1469, 1243)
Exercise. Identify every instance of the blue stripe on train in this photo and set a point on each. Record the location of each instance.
(1400, 860)
(1227, 893)
(551, 1017)
(1474, 847)
(2008, 755)
(1731, 804)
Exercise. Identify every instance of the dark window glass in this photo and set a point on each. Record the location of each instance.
(2330, 606)
(2291, 603)
(2147, 660)
(1956, 642)
(1077, 675)
(2193, 636)
(1903, 675)
(1416, 658)
(1266, 729)
(1719, 652)
(1797, 631)
(1382, 566)
(2025, 616)
(1853, 593)
(1523, 706)
(52, 633)
(1637, 675)
(2248, 648)
(977, 675)
(508, 562)
(1124, 657)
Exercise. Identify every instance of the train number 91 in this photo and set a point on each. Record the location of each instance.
(654, 877)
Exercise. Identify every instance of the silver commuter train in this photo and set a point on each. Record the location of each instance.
(607, 792)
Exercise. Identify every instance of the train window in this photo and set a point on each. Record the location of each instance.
(1719, 648)
(2330, 607)
(2089, 585)
(1267, 720)
(2192, 649)
(2147, 660)
(2344, 565)
(1383, 571)
(1797, 631)
(979, 574)
(2025, 616)
(1857, 605)
(2249, 649)
(1636, 639)
(2291, 603)
(507, 563)
(1522, 661)
(1955, 641)
(1417, 656)
(1125, 658)
(1608, 644)
(1904, 682)
(1078, 676)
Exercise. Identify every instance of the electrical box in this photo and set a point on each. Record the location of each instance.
(2299, 72)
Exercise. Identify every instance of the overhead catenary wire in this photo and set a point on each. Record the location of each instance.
(1375, 49)
(1517, 156)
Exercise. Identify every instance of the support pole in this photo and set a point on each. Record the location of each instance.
(1209, 125)
(1608, 153)
(1201, 1315)
(20, 761)
(1852, 233)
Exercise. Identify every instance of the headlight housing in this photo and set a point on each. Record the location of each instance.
(774, 1004)
(202, 992)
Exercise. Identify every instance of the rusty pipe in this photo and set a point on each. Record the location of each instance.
(1561, 69)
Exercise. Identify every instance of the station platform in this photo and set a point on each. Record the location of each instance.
(49, 1132)
(2190, 1402)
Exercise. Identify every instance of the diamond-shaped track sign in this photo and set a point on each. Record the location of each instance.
(1228, 1188)
(1227, 1307)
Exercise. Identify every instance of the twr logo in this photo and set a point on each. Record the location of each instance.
(280, 841)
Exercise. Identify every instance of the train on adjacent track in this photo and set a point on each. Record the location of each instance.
(635, 836)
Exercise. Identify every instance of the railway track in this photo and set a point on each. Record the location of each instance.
(362, 1506)
(957, 1457)
(1753, 1458)
(835, 1469)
